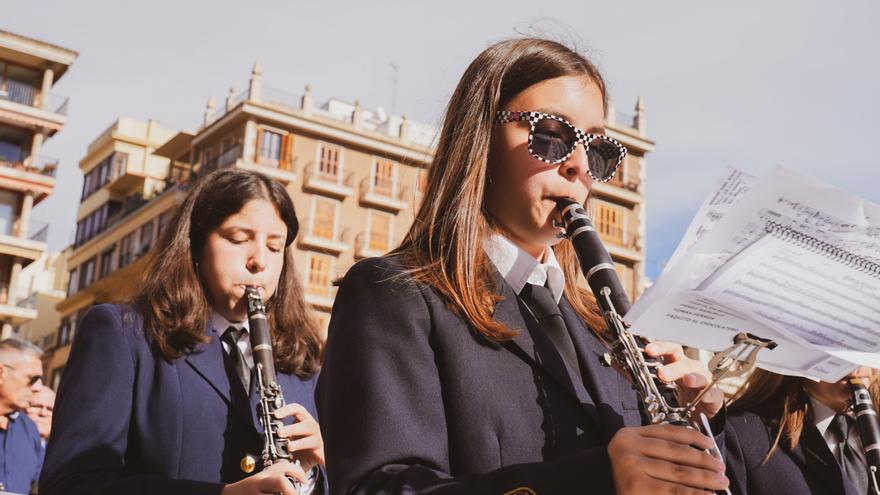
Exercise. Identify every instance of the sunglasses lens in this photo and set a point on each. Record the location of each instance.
(552, 140)
(604, 157)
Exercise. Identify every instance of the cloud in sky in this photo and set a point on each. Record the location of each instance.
(751, 84)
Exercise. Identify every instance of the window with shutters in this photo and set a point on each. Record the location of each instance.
(329, 166)
(380, 231)
(627, 278)
(320, 273)
(610, 222)
(324, 218)
(106, 265)
(87, 273)
(270, 148)
(384, 172)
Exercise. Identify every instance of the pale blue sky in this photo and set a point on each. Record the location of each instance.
(751, 84)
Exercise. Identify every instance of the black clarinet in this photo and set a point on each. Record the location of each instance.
(627, 349)
(869, 429)
(270, 393)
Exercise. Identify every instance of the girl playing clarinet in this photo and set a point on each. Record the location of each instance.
(469, 359)
(157, 396)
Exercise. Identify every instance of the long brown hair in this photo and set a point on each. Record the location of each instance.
(783, 401)
(172, 300)
(443, 248)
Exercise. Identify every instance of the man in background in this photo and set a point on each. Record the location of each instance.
(21, 450)
(40, 410)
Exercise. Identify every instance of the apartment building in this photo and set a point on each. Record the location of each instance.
(124, 204)
(30, 114)
(355, 175)
(618, 206)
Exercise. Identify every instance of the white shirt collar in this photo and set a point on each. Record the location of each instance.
(822, 416)
(219, 323)
(520, 268)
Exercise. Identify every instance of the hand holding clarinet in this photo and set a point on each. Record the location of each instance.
(658, 457)
(291, 451)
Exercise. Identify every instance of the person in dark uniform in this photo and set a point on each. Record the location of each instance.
(789, 435)
(158, 396)
(468, 359)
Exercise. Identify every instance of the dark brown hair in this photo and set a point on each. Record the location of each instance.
(443, 247)
(174, 303)
(783, 401)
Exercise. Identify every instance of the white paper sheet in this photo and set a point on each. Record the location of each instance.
(794, 260)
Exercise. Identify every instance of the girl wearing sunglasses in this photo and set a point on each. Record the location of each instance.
(442, 374)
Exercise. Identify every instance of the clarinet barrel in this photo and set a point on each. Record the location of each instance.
(594, 259)
(869, 428)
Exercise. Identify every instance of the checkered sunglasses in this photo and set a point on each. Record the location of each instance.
(553, 139)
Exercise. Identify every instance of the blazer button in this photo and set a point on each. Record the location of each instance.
(248, 464)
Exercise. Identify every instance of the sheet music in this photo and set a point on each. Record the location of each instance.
(804, 285)
(726, 193)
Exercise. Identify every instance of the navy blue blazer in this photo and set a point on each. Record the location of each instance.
(413, 400)
(129, 421)
(808, 469)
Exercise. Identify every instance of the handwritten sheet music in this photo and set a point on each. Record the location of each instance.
(793, 260)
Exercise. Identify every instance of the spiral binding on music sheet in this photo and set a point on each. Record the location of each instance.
(806, 241)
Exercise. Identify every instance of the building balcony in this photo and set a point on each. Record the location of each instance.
(24, 93)
(16, 241)
(320, 298)
(322, 242)
(22, 106)
(364, 248)
(225, 159)
(42, 165)
(390, 198)
(622, 192)
(35, 174)
(123, 180)
(338, 186)
(283, 175)
(15, 312)
(622, 243)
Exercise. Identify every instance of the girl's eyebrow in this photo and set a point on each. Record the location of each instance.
(558, 113)
(231, 229)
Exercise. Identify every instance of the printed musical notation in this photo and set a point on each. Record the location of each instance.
(787, 258)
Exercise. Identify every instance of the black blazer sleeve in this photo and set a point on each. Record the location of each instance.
(90, 427)
(381, 401)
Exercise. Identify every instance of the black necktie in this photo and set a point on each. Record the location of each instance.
(235, 357)
(543, 305)
(852, 462)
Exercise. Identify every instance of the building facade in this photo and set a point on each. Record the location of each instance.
(356, 176)
(618, 206)
(124, 204)
(29, 115)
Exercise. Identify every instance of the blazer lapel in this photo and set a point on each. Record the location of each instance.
(818, 463)
(603, 383)
(208, 361)
(508, 312)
